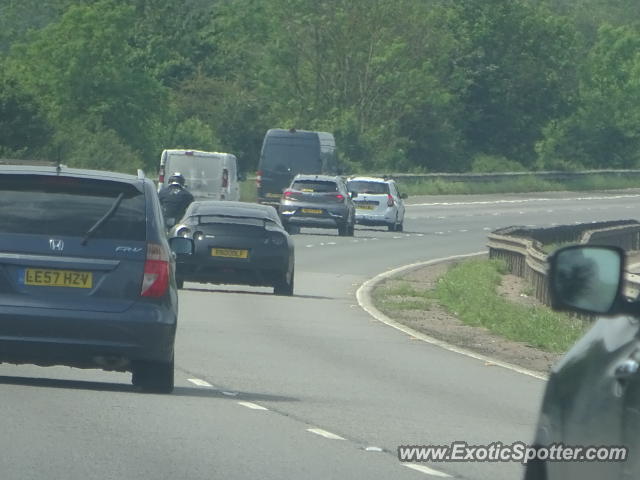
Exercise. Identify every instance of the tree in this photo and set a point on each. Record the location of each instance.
(82, 70)
(604, 129)
(520, 69)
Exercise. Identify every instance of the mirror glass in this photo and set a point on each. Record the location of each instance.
(586, 278)
(181, 246)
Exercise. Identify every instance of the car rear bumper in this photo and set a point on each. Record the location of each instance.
(330, 218)
(257, 270)
(374, 220)
(87, 339)
(386, 217)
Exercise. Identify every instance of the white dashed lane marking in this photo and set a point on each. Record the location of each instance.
(325, 434)
(427, 470)
(200, 383)
(252, 406)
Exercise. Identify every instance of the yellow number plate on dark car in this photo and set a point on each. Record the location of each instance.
(58, 278)
(229, 253)
(314, 211)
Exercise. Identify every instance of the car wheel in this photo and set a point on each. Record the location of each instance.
(399, 227)
(343, 230)
(156, 377)
(392, 227)
(351, 230)
(180, 283)
(284, 285)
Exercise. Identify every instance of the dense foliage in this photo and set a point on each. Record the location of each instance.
(413, 85)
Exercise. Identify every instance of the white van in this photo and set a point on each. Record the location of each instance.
(208, 175)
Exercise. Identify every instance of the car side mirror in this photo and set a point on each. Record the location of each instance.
(181, 246)
(587, 279)
(404, 196)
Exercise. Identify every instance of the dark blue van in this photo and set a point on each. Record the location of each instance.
(286, 153)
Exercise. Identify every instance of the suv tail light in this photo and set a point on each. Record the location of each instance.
(340, 197)
(155, 281)
(161, 175)
(289, 195)
(259, 178)
(390, 202)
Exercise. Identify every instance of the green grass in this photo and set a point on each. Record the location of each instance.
(397, 296)
(523, 184)
(469, 291)
(248, 191)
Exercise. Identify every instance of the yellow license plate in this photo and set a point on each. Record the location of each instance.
(364, 207)
(58, 278)
(314, 211)
(229, 253)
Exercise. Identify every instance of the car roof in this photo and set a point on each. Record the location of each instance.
(226, 207)
(64, 171)
(370, 179)
(324, 178)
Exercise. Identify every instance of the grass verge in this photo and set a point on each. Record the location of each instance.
(469, 291)
(248, 192)
(520, 185)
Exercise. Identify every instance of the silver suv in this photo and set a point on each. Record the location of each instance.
(379, 203)
(320, 201)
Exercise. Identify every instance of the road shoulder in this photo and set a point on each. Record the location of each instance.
(437, 326)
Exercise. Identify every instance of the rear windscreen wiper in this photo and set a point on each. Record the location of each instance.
(101, 222)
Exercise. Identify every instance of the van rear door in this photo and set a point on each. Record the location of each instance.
(202, 172)
(282, 158)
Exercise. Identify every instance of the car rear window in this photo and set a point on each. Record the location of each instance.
(314, 186)
(359, 186)
(67, 206)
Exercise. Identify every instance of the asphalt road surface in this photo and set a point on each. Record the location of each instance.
(307, 387)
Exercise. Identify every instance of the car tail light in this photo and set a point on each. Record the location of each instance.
(289, 195)
(390, 202)
(259, 178)
(155, 280)
(340, 197)
(225, 178)
(161, 175)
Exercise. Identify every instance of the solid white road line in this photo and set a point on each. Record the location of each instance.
(427, 470)
(525, 200)
(252, 406)
(363, 296)
(200, 383)
(230, 394)
(324, 433)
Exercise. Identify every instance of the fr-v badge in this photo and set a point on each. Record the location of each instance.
(56, 245)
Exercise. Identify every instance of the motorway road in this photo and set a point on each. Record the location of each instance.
(258, 375)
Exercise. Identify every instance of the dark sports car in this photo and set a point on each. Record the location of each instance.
(236, 243)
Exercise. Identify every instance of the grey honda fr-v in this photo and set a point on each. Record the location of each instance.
(86, 273)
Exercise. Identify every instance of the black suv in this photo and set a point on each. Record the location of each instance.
(86, 273)
(318, 201)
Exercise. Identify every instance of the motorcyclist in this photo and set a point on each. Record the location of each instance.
(175, 199)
